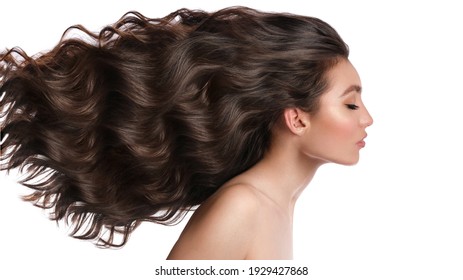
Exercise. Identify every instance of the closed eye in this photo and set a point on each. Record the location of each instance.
(352, 106)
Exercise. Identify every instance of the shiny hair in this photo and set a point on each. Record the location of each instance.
(149, 117)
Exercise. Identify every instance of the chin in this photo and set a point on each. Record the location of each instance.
(347, 161)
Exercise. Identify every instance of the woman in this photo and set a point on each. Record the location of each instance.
(232, 111)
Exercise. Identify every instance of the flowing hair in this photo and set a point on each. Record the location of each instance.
(149, 117)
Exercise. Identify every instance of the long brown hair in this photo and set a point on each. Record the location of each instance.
(151, 116)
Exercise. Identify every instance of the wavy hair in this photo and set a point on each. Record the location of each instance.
(149, 117)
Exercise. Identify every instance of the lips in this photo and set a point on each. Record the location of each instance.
(361, 143)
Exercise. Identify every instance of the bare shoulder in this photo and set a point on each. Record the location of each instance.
(223, 227)
(231, 205)
(242, 196)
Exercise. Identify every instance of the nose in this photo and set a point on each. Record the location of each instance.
(366, 119)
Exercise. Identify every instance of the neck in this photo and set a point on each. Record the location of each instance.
(282, 175)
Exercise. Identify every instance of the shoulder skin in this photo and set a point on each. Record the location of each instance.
(221, 228)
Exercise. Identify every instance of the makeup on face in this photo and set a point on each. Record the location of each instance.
(338, 129)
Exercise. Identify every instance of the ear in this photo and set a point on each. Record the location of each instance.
(296, 120)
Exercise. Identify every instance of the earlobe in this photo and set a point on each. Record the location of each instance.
(296, 120)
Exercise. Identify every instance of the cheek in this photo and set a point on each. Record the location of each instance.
(336, 125)
(333, 138)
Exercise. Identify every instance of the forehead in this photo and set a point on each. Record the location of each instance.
(343, 79)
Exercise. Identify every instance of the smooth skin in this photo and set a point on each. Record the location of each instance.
(251, 216)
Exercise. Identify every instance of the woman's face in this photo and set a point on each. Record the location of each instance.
(338, 129)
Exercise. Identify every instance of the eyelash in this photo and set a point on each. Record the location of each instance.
(352, 106)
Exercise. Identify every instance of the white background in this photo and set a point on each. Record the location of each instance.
(398, 214)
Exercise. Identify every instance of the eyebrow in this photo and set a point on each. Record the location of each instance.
(352, 88)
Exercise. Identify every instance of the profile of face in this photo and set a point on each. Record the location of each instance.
(337, 130)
